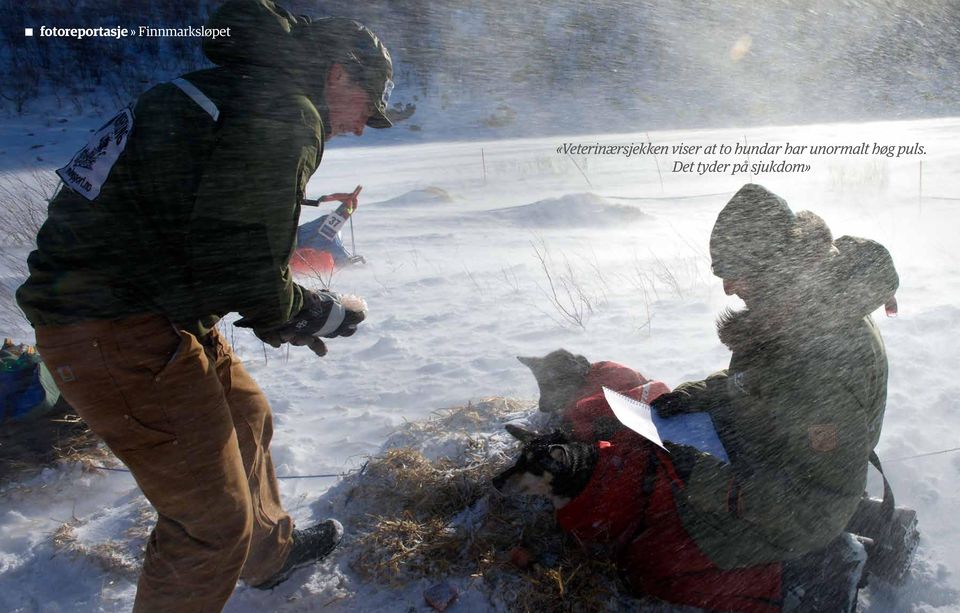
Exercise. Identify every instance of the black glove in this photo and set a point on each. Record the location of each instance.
(323, 314)
(313, 343)
(683, 458)
(671, 404)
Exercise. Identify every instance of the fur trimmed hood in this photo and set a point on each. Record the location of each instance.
(856, 278)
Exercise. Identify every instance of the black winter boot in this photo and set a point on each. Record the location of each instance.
(825, 580)
(309, 546)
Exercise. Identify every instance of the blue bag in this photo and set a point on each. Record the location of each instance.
(27, 389)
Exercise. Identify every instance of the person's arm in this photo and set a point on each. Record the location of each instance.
(815, 456)
(694, 396)
(243, 228)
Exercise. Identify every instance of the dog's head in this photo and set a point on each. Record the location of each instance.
(549, 465)
(560, 375)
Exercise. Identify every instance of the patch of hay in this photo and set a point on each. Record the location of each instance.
(111, 556)
(393, 550)
(470, 415)
(27, 447)
(461, 428)
(442, 517)
(403, 482)
(143, 523)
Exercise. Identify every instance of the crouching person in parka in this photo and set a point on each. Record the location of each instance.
(799, 410)
(184, 208)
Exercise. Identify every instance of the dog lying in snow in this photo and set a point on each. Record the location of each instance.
(561, 464)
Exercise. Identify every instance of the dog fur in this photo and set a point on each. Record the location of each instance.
(549, 465)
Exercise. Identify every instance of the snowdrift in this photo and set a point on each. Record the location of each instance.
(428, 195)
(584, 210)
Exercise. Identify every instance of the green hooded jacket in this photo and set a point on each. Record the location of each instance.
(799, 411)
(197, 216)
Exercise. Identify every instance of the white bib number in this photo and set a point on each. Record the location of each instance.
(331, 226)
(88, 170)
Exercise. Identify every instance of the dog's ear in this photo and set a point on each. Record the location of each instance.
(583, 364)
(520, 434)
(558, 453)
(558, 362)
(531, 363)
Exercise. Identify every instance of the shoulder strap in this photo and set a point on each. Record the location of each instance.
(888, 504)
(198, 96)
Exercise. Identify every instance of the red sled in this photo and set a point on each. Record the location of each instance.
(310, 261)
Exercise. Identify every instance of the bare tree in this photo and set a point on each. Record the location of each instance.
(566, 289)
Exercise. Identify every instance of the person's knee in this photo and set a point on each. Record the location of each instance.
(229, 530)
(237, 527)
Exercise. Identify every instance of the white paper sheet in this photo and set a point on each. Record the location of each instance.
(634, 414)
(693, 429)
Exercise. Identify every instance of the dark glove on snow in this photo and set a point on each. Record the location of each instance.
(683, 458)
(672, 403)
(323, 314)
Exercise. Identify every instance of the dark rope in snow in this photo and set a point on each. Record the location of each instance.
(337, 475)
(116, 470)
(923, 455)
(124, 470)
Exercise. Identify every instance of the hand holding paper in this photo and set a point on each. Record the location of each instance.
(693, 429)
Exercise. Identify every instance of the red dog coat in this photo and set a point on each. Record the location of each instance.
(629, 505)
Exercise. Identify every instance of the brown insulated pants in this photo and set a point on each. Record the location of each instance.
(194, 429)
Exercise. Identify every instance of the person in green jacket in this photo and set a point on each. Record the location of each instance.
(183, 208)
(800, 407)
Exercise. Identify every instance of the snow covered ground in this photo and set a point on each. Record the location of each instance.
(459, 239)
